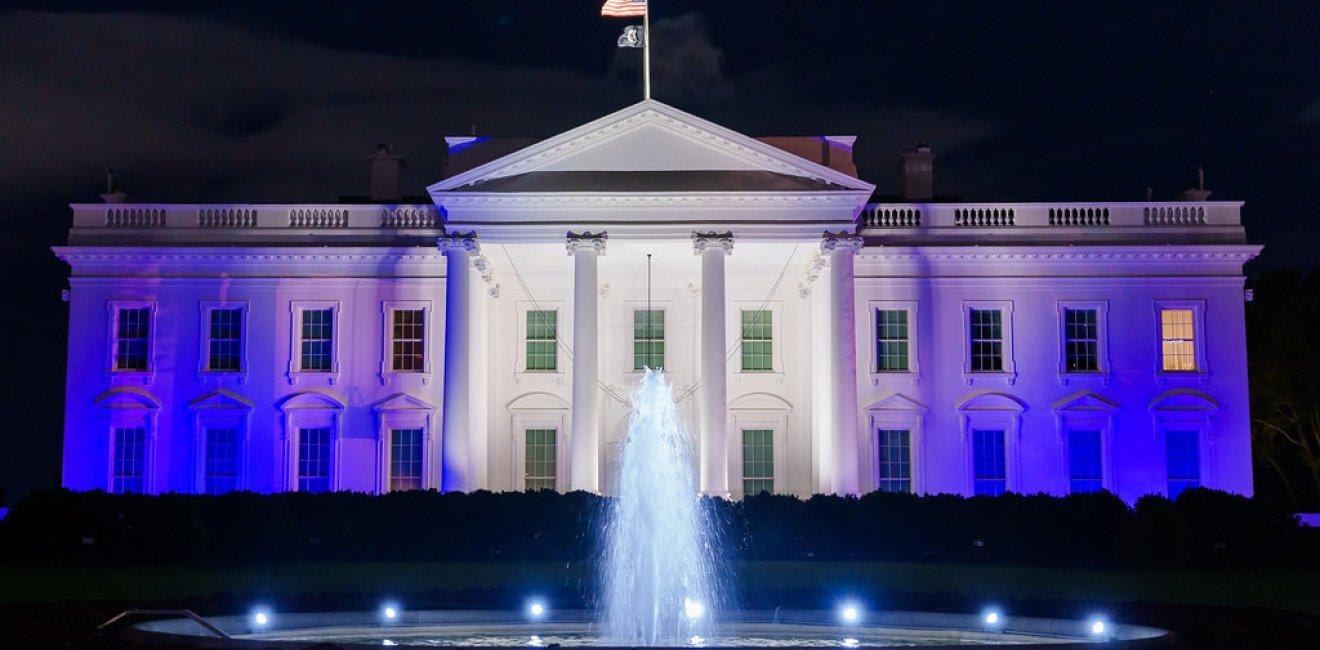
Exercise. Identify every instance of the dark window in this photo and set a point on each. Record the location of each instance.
(1081, 340)
(987, 340)
(891, 340)
(895, 461)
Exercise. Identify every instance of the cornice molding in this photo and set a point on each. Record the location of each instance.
(870, 255)
(559, 200)
(143, 256)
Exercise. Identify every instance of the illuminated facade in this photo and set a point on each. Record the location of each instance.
(818, 342)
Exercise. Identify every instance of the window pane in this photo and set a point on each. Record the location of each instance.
(1081, 333)
(648, 339)
(891, 337)
(1177, 340)
(758, 461)
(221, 462)
(987, 340)
(1084, 464)
(132, 338)
(317, 340)
(224, 344)
(988, 466)
(540, 460)
(314, 459)
(895, 460)
(542, 333)
(757, 340)
(1182, 450)
(407, 345)
(405, 459)
(128, 475)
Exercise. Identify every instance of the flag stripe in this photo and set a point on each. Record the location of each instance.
(623, 8)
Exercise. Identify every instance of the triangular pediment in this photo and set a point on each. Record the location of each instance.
(1085, 401)
(897, 402)
(221, 399)
(656, 143)
(403, 402)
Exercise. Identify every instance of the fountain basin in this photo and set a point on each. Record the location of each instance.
(511, 629)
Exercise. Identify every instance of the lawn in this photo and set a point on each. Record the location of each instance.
(49, 583)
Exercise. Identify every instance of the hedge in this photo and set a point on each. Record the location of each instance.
(1202, 528)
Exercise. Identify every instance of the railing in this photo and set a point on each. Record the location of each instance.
(135, 217)
(227, 218)
(255, 217)
(318, 218)
(1016, 216)
(409, 217)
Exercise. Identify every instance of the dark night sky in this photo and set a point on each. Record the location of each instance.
(282, 101)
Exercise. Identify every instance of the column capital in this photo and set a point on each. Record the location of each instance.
(458, 241)
(586, 240)
(840, 241)
(704, 240)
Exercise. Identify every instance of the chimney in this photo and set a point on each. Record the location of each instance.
(1198, 193)
(386, 175)
(918, 168)
(112, 193)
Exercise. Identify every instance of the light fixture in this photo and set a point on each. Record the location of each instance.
(261, 618)
(992, 618)
(536, 609)
(1098, 627)
(693, 609)
(850, 613)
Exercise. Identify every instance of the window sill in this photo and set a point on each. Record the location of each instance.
(878, 376)
(296, 377)
(392, 375)
(1067, 378)
(1199, 377)
(143, 377)
(971, 377)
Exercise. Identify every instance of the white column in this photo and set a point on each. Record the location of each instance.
(843, 351)
(584, 464)
(454, 459)
(713, 247)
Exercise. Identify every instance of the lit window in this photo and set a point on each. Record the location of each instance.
(405, 459)
(130, 460)
(408, 343)
(988, 465)
(758, 461)
(895, 460)
(221, 462)
(316, 340)
(987, 340)
(648, 339)
(757, 340)
(132, 338)
(224, 340)
(1177, 340)
(314, 459)
(891, 340)
(1182, 453)
(540, 461)
(542, 333)
(1084, 466)
(1081, 340)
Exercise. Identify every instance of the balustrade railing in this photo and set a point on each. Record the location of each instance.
(1017, 216)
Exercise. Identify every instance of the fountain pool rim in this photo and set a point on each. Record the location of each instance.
(1052, 633)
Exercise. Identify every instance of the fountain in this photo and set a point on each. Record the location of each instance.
(660, 586)
(659, 581)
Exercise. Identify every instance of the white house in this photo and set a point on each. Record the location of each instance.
(817, 342)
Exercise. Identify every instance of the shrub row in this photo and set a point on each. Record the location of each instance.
(1202, 528)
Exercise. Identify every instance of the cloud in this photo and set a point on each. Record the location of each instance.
(685, 64)
(194, 110)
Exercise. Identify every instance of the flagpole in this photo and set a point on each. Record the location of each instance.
(646, 52)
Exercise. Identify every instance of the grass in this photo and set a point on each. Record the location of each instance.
(49, 583)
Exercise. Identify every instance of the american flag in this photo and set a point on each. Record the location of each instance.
(623, 8)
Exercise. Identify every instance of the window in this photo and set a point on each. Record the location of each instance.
(989, 476)
(316, 340)
(895, 460)
(1081, 340)
(757, 340)
(1183, 455)
(132, 339)
(891, 340)
(987, 340)
(648, 339)
(405, 459)
(128, 474)
(224, 339)
(314, 459)
(758, 461)
(408, 340)
(542, 333)
(220, 467)
(1084, 461)
(1178, 340)
(540, 461)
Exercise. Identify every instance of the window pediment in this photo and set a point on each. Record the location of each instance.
(537, 401)
(311, 401)
(127, 397)
(990, 401)
(760, 402)
(402, 402)
(1184, 400)
(221, 399)
(1085, 401)
(897, 402)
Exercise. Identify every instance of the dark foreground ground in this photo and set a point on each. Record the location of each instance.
(59, 606)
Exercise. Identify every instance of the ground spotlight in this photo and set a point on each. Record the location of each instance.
(389, 612)
(1098, 627)
(693, 609)
(261, 618)
(536, 609)
(850, 613)
(992, 618)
